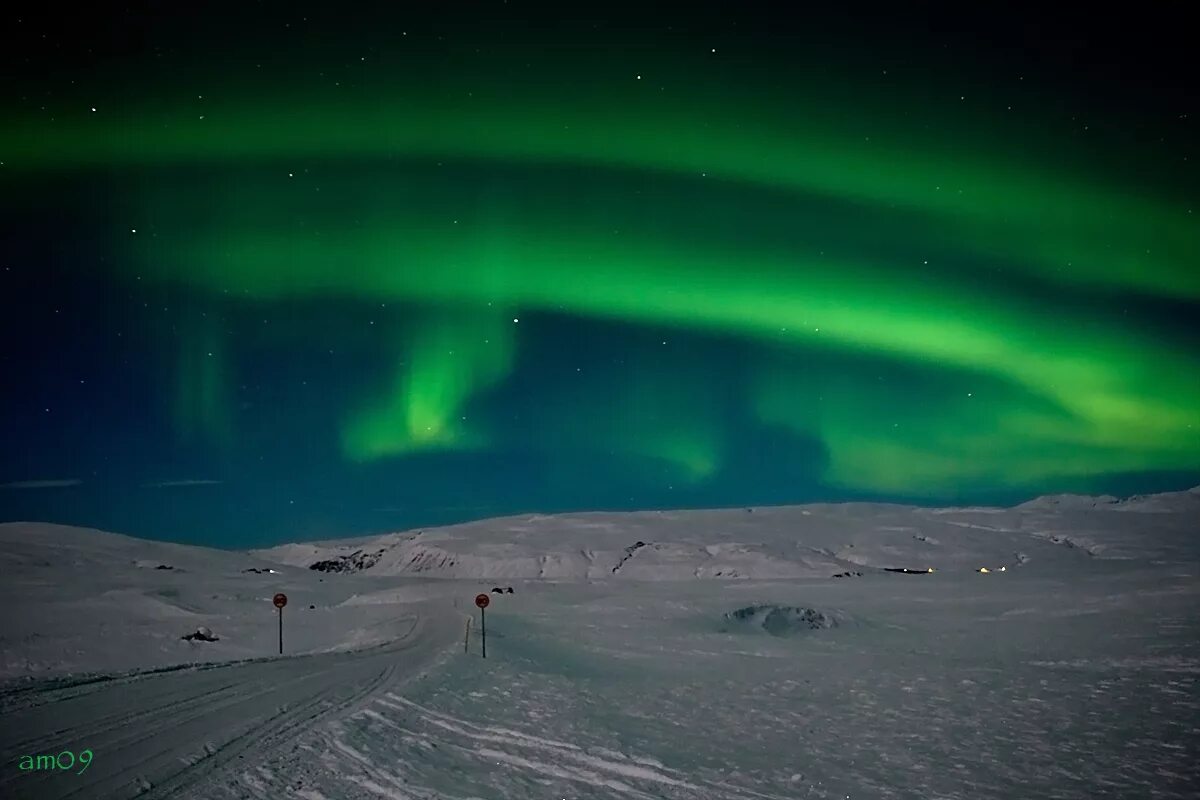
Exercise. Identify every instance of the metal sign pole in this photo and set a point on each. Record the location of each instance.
(481, 602)
(280, 600)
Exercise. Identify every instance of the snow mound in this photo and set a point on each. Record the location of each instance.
(782, 620)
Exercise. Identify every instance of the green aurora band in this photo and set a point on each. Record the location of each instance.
(474, 212)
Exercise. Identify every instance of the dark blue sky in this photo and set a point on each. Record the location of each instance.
(288, 275)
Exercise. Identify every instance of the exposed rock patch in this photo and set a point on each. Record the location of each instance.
(357, 561)
(781, 620)
(629, 551)
(201, 634)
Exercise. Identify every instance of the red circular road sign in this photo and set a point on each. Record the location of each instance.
(280, 600)
(482, 600)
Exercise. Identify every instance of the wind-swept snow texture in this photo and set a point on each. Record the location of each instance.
(718, 659)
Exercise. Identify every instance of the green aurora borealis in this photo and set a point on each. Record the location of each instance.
(943, 297)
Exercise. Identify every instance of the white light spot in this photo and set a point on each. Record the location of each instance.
(516, 320)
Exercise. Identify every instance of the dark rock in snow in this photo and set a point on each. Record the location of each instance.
(201, 634)
(629, 551)
(357, 561)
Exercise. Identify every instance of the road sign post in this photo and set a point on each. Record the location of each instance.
(280, 600)
(482, 601)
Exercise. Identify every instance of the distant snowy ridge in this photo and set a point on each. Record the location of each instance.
(819, 540)
(1164, 502)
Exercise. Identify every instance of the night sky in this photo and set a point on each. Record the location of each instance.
(276, 272)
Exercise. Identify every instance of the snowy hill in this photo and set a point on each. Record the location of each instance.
(88, 600)
(629, 640)
(762, 543)
(104, 601)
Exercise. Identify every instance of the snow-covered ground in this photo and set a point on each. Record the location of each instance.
(719, 658)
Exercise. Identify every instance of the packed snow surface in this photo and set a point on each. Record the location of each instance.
(740, 653)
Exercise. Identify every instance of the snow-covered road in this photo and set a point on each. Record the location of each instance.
(163, 733)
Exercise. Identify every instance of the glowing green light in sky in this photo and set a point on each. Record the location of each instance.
(448, 360)
(770, 221)
(201, 396)
(1100, 403)
(1052, 223)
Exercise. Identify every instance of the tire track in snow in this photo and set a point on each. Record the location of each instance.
(542, 761)
(104, 725)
